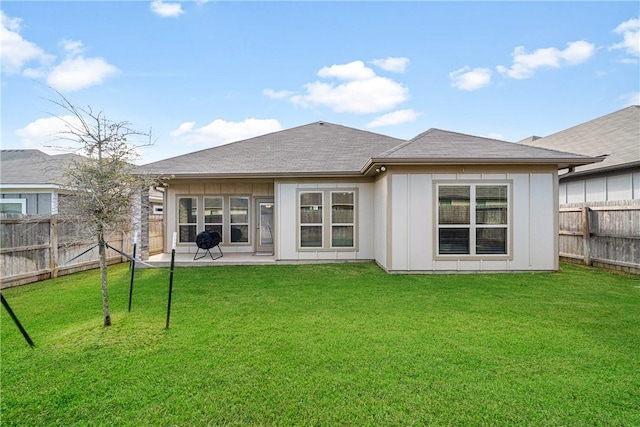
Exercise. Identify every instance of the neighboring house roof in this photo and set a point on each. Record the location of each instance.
(437, 146)
(32, 167)
(616, 135)
(325, 149)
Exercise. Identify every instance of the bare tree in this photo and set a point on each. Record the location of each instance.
(102, 180)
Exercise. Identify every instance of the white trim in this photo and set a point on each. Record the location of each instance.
(22, 202)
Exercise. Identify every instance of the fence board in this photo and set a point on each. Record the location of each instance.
(606, 234)
(38, 248)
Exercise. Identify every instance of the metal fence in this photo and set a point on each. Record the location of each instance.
(604, 234)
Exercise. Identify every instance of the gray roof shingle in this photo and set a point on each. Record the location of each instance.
(617, 135)
(321, 149)
(32, 167)
(318, 148)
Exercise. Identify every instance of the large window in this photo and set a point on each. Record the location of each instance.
(239, 219)
(342, 219)
(473, 219)
(213, 214)
(311, 219)
(327, 219)
(187, 219)
(227, 215)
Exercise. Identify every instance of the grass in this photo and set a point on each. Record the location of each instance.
(326, 345)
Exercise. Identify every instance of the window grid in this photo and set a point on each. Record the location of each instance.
(187, 219)
(311, 219)
(342, 219)
(475, 224)
(239, 219)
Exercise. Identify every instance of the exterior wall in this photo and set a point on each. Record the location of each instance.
(201, 188)
(380, 229)
(287, 223)
(601, 188)
(37, 202)
(412, 214)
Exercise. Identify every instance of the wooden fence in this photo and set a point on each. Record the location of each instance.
(604, 234)
(37, 248)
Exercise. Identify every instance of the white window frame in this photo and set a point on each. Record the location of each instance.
(343, 224)
(327, 220)
(204, 213)
(197, 204)
(311, 224)
(473, 226)
(231, 224)
(21, 202)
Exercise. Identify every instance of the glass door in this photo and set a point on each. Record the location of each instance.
(265, 231)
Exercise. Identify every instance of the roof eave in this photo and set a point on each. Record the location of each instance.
(561, 163)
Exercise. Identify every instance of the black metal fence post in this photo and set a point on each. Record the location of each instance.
(17, 322)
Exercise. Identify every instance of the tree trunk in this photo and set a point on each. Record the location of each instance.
(103, 276)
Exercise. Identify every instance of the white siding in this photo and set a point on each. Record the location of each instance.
(596, 189)
(380, 228)
(533, 209)
(619, 186)
(287, 222)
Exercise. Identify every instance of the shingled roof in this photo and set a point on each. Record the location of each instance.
(437, 146)
(325, 149)
(32, 167)
(616, 135)
(315, 149)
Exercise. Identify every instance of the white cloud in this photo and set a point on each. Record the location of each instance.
(80, 73)
(395, 65)
(525, 64)
(394, 118)
(166, 10)
(630, 31)
(185, 127)
(279, 94)
(355, 70)
(16, 52)
(361, 91)
(467, 79)
(44, 133)
(220, 132)
(628, 99)
(72, 47)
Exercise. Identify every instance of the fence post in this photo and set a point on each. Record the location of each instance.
(586, 235)
(53, 240)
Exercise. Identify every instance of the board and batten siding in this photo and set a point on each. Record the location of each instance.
(286, 196)
(611, 187)
(411, 222)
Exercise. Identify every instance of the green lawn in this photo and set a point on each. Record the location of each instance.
(326, 345)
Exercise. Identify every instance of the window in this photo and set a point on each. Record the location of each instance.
(311, 220)
(473, 219)
(13, 206)
(213, 214)
(327, 219)
(239, 219)
(342, 219)
(187, 218)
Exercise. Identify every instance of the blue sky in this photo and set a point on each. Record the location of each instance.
(205, 73)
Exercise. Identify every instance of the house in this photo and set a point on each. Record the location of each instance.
(30, 181)
(440, 202)
(616, 135)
